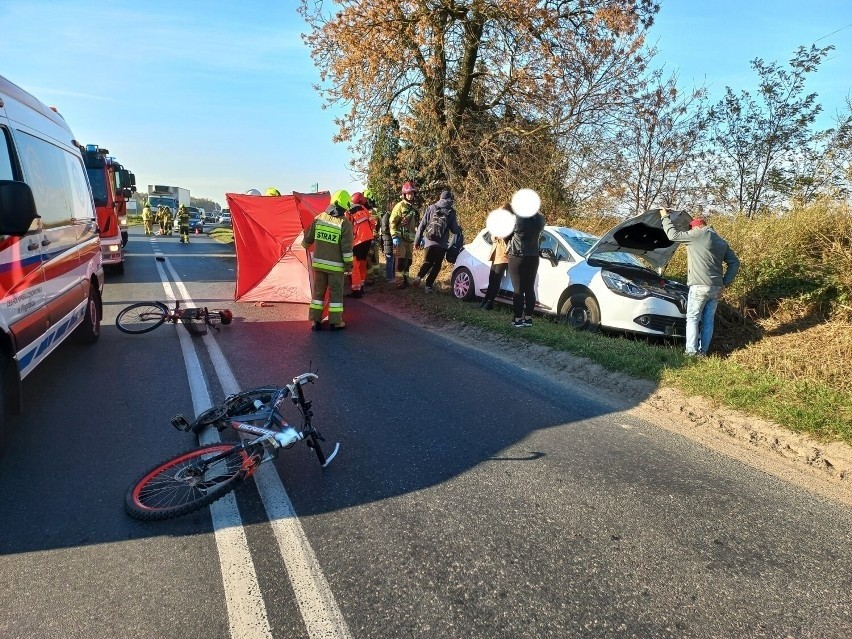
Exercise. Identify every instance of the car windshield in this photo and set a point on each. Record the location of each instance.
(582, 244)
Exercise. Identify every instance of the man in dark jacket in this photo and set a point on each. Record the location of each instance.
(522, 249)
(433, 234)
(706, 252)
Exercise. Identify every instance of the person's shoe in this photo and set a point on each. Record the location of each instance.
(696, 355)
(338, 327)
(518, 323)
(356, 293)
(428, 289)
(316, 326)
(487, 305)
(528, 321)
(415, 282)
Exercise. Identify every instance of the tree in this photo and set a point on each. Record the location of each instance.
(468, 79)
(822, 169)
(385, 175)
(752, 138)
(659, 142)
(204, 203)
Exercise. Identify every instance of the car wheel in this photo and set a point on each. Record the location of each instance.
(462, 285)
(90, 330)
(582, 312)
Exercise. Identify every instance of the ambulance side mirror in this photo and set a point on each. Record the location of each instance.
(17, 208)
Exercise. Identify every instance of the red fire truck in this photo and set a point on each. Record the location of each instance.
(112, 186)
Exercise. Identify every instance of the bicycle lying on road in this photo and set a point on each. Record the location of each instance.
(144, 317)
(199, 477)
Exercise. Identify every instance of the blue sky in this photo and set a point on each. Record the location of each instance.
(218, 97)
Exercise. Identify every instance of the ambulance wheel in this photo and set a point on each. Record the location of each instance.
(90, 330)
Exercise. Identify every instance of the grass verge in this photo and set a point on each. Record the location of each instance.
(803, 406)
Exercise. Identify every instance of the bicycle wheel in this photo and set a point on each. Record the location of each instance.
(238, 404)
(187, 483)
(142, 317)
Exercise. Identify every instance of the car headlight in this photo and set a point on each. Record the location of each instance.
(622, 285)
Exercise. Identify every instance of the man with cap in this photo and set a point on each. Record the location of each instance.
(706, 253)
(433, 234)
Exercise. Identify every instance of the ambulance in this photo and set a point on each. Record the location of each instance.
(51, 275)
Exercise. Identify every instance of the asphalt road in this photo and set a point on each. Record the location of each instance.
(471, 497)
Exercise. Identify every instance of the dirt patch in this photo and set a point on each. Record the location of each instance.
(823, 468)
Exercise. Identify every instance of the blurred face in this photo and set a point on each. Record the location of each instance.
(408, 197)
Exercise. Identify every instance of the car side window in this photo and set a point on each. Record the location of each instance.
(6, 172)
(547, 241)
(58, 181)
(562, 253)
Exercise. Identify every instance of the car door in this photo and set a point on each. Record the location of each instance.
(552, 277)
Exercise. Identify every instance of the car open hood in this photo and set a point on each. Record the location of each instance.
(644, 236)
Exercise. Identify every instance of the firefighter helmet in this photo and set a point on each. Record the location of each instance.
(359, 199)
(409, 187)
(252, 192)
(273, 191)
(341, 198)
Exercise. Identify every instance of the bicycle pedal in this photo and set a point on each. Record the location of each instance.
(180, 422)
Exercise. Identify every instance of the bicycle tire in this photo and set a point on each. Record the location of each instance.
(142, 317)
(241, 403)
(172, 489)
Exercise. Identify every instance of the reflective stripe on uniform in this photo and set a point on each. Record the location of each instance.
(327, 265)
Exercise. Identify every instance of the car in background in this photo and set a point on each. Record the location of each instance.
(196, 224)
(209, 217)
(612, 282)
(225, 219)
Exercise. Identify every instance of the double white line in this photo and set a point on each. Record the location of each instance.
(247, 617)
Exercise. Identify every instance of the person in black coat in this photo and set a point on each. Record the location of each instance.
(522, 250)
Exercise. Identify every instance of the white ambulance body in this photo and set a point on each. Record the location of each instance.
(51, 277)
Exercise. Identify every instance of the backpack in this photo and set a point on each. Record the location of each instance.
(436, 229)
(455, 248)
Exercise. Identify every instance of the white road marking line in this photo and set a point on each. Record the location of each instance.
(247, 618)
(320, 612)
(319, 609)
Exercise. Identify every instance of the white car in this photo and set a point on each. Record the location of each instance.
(225, 219)
(591, 282)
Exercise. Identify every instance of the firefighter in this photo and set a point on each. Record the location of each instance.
(330, 234)
(168, 220)
(363, 228)
(403, 225)
(161, 219)
(183, 224)
(147, 219)
(377, 238)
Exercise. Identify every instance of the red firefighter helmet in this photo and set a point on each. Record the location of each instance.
(409, 187)
(359, 199)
